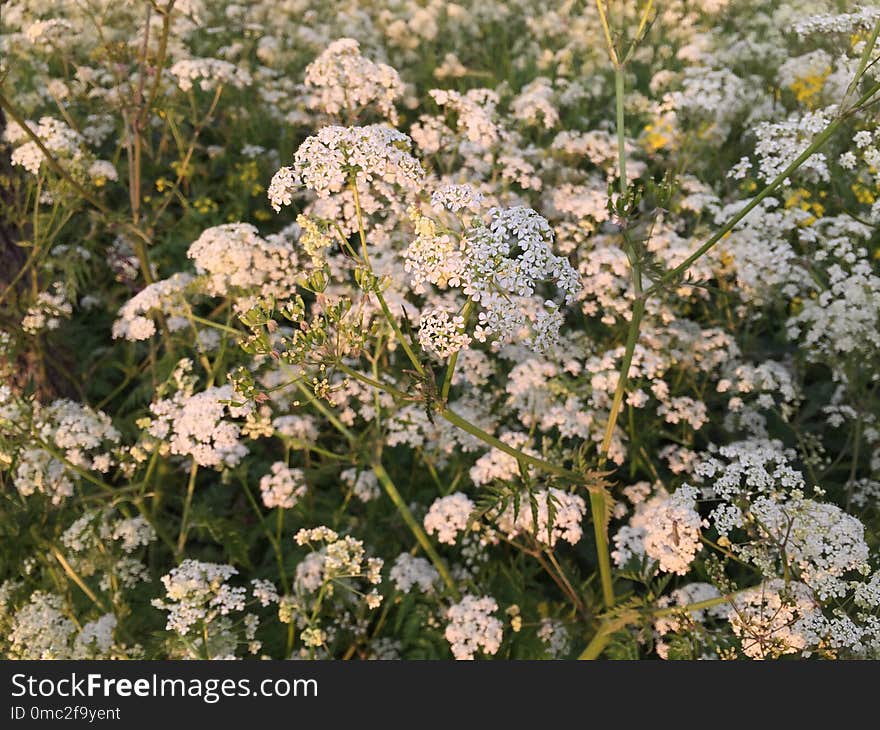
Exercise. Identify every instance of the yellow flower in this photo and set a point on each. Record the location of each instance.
(863, 193)
(205, 205)
(807, 88)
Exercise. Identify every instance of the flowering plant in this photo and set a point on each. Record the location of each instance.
(492, 331)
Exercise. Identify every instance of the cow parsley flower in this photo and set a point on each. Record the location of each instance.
(163, 296)
(47, 311)
(62, 141)
(197, 593)
(665, 529)
(283, 487)
(770, 620)
(342, 80)
(197, 426)
(500, 267)
(209, 73)
(235, 260)
(328, 161)
(442, 334)
(473, 628)
(447, 516)
(409, 572)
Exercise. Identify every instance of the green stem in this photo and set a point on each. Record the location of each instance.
(74, 576)
(453, 361)
(488, 438)
(366, 379)
(863, 64)
(623, 377)
(187, 504)
(817, 143)
(216, 325)
(415, 528)
(398, 333)
(326, 412)
(598, 510)
(619, 78)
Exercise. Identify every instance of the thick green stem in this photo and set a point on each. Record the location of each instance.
(598, 510)
(415, 527)
(609, 627)
(623, 378)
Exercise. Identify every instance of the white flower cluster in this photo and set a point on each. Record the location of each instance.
(197, 593)
(761, 383)
(47, 310)
(164, 297)
(548, 515)
(666, 529)
(235, 260)
(342, 80)
(48, 31)
(283, 487)
(534, 104)
(475, 111)
(746, 469)
(843, 319)
(409, 571)
(56, 136)
(441, 333)
(297, 427)
(195, 425)
(447, 516)
(364, 484)
(456, 198)
(555, 638)
(209, 73)
(82, 439)
(473, 628)
(498, 465)
(761, 493)
(97, 528)
(861, 19)
(819, 540)
(342, 559)
(770, 620)
(264, 591)
(99, 542)
(780, 143)
(500, 266)
(41, 629)
(327, 162)
(79, 432)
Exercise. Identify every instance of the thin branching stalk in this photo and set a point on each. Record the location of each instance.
(415, 527)
(187, 504)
